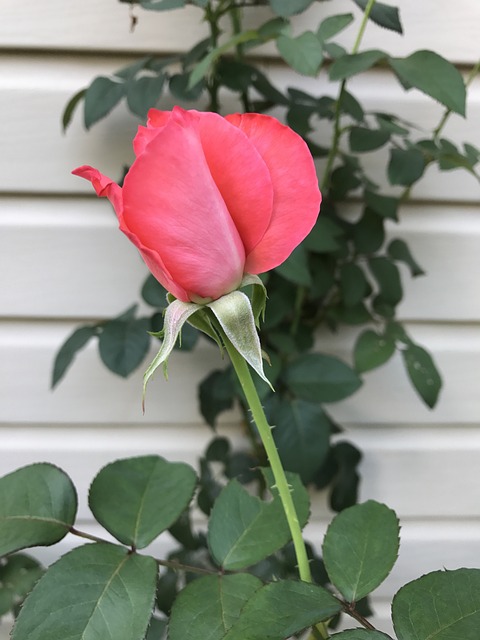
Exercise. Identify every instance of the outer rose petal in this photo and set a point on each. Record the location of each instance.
(297, 198)
(173, 207)
(109, 189)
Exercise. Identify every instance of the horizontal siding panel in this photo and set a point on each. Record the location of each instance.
(90, 393)
(89, 25)
(397, 461)
(420, 472)
(75, 264)
(41, 158)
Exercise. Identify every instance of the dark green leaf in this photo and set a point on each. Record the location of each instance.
(216, 393)
(368, 233)
(18, 575)
(423, 373)
(320, 378)
(302, 435)
(286, 8)
(323, 237)
(443, 605)
(362, 139)
(344, 180)
(387, 275)
(179, 87)
(350, 105)
(153, 293)
(234, 74)
(333, 25)
(123, 344)
(349, 65)
(298, 118)
(385, 206)
(304, 53)
(130, 71)
(209, 606)
(137, 498)
(361, 634)
(360, 548)
(353, 283)
(167, 589)
(38, 504)
(472, 153)
(70, 108)
(399, 251)
(262, 84)
(372, 350)
(69, 350)
(389, 123)
(406, 166)
(161, 5)
(244, 529)
(143, 93)
(100, 98)
(281, 609)
(295, 268)
(435, 76)
(107, 591)
(334, 50)
(156, 629)
(345, 481)
(383, 14)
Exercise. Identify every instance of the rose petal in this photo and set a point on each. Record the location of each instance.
(109, 189)
(172, 206)
(297, 198)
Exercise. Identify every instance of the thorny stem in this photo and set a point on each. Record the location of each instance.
(170, 564)
(212, 16)
(281, 482)
(337, 131)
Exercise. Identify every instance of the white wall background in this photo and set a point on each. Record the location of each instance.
(62, 262)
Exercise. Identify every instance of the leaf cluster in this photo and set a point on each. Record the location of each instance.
(235, 581)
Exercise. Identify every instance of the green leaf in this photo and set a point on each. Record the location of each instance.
(320, 378)
(123, 344)
(244, 529)
(69, 349)
(302, 435)
(362, 140)
(383, 14)
(353, 283)
(156, 629)
(202, 68)
(70, 108)
(350, 105)
(286, 8)
(368, 233)
(443, 605)
(399, 251)
(406, 166)
(295, 268)
(280, 609)
(323, 237)
(161, 5)
(387, 275)
(385, 206)
(423, 373)
(304, 53)
(137, 498)
(143, 93)
(18, 575)
(216, 394)
(38, 504)
(349, 65)
(209, 606)
(346, 479)
(153, 293)
(360, 634)
(332, 25)
(95, 591)
(360, 548)
(372, 350)
(100, 98)
(179, 85)
(435, 76)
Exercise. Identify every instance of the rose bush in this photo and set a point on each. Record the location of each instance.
(209, 199)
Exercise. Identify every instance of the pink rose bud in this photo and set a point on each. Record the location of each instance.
(209, 199)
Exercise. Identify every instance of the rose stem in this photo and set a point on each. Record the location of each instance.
(281, 483)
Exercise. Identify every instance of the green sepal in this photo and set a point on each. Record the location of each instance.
(235, 314)
(259, 296)
(176, 314)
